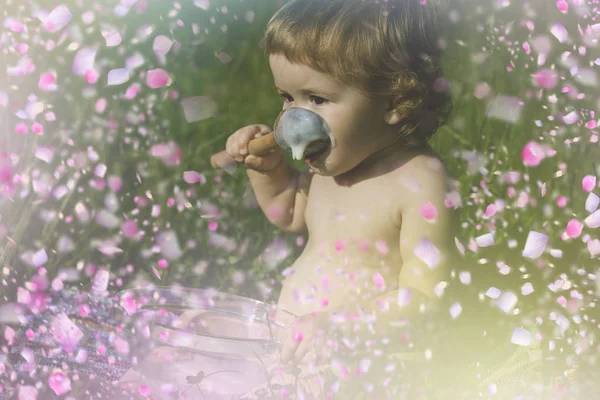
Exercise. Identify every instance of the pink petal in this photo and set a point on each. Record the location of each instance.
(193, 177)
(378, 280)
(546, 78)
(130, 229)
(571, 118)
(588, 183)
(563, 6)
(427, 252)
(100, 282)
(112, 38)
(428, 211)
(6, 170)
(535, 245)
(532, 154)
(162, 45)
(28, 392)
(59, 383)
(559, 32)
(58, 18)
(574, 228)
(157, 78)
(168, 152)
(47, 82)
(65, 332)
(84, 60)
(91, 76)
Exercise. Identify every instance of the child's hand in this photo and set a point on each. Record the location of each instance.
(237, 148)
(307, 334)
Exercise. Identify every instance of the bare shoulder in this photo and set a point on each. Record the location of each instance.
(423, 180)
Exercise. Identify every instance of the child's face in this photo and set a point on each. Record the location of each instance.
(357, 123)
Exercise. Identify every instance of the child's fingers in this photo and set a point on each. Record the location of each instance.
(289, 348)
(301, 352)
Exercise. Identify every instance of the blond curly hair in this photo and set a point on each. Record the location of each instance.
(383, 48)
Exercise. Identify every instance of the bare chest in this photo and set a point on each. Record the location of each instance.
(354, 216)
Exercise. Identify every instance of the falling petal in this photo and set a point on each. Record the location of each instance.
(574, 228)
(112, 38)
(169, 245)
(506, 302)
(559, 32)
(485, 240)
(505, 108)
(162, 45)
(546, 78)
(157, 78)
(84, 60)
(593, 221)
(118, 76)
(571, 118)
(198, 108)
(40, 258)
(59, 383)
(428, 211)
(193, 177)
(455, 310)
(100, 282)
(65, 332)
(58, 18)
(588, 183)
(521, 337)
(427, 252)
(535, 245)
(532, 154)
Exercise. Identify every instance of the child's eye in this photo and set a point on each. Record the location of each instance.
(318, 100)
(285, 97)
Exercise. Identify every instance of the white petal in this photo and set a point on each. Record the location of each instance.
(591, 203)
(535, 245)
(507, 301)
(118, 76)
(162, 45)
(198, 108)
(485, 240)
(427, 252)
(593, 221)
(521, 337)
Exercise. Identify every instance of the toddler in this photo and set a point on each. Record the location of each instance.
(380, 231)
(374, 203)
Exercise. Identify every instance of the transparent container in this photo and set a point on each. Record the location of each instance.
(205, 343)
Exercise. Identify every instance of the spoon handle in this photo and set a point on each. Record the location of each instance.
(257, 147)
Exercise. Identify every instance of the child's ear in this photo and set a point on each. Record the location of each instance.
(393, 114)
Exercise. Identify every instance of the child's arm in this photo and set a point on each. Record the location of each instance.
(282, 194)
(281, 190)
(422, 242)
